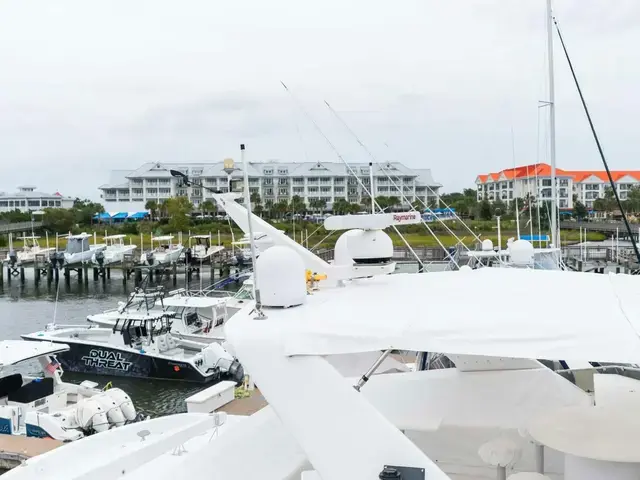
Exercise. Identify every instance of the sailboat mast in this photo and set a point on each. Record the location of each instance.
(552, 128)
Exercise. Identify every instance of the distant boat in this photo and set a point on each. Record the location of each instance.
(29, 251)
(165, 253)
(114, 252)
(79, 251)
(201, 249)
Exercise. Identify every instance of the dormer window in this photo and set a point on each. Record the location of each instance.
(283, 171)
(267, 171)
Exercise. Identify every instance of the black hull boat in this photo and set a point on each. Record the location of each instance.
(139, 349)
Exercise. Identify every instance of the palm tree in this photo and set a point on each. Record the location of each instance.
(207, 207)
(393, 202)
(341, 206)
(297, 204)
(152, 206)
(281, 208)
(268, 208)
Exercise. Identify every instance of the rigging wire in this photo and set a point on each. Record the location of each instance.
(397, 187)
(455, 215)
(597, 140)
(335, 150)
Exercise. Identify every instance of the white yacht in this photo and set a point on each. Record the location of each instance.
(27, 255)
(477, 404)
(165, 253)
(140, 345)
(114, 252)
(79, 251)
(41, 405)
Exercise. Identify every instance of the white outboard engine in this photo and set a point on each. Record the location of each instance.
(124, 403)
(111, 408)
(215, 356)
(91, 415)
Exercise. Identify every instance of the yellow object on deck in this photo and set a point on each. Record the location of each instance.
(312, 280)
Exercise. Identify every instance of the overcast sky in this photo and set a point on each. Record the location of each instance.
(88, 86)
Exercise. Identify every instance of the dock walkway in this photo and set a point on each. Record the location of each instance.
(15, 449)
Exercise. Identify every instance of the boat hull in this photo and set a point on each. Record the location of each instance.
(108, 360)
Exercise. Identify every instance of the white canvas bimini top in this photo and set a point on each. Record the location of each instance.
(16, 351)
(163, 238)
(517, 313)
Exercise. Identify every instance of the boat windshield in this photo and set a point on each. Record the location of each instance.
(245, 293)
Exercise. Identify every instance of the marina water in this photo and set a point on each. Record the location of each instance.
(26, 308)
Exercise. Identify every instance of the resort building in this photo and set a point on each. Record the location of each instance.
(274, 181)
(27, 198)
(535, 180)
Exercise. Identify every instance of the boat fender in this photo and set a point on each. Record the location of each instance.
(124, 403)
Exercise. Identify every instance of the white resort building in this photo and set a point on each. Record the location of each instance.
(27, 198)
(129, 190)
(535, 180)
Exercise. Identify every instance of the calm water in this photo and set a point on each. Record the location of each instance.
(28, 308)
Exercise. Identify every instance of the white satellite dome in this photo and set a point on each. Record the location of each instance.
(341, 254)
(370, 245)
(487, 245)
(521, 253)
(281, 277)
(465, 268)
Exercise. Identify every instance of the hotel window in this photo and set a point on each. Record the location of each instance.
(283, 191)
(267, 171)
(283, 171)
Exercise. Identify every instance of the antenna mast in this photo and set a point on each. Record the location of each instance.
(247, 199)
(552, 128)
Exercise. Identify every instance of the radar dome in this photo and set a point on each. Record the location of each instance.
(341, 254)
(521, 253)
(281, 277)
(370, 246)
(487, 245)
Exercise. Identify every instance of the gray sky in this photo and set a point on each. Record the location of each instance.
(88, 86)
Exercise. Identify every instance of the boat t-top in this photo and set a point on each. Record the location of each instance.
(165, 253)
(79, 250)
(201, 249)
(31, 248)
(196, 318)
(42, 405)
(114, 252)
(140, 344)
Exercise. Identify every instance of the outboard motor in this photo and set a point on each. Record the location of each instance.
(150, 258)
(215, 356)
(188, 257)
(98, 258)
(13, 257)
(57, 259)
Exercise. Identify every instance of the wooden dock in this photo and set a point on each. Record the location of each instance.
(44, 270)
(15, 449)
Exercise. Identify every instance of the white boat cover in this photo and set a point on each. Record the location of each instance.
(16, 351)
(516, 313)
